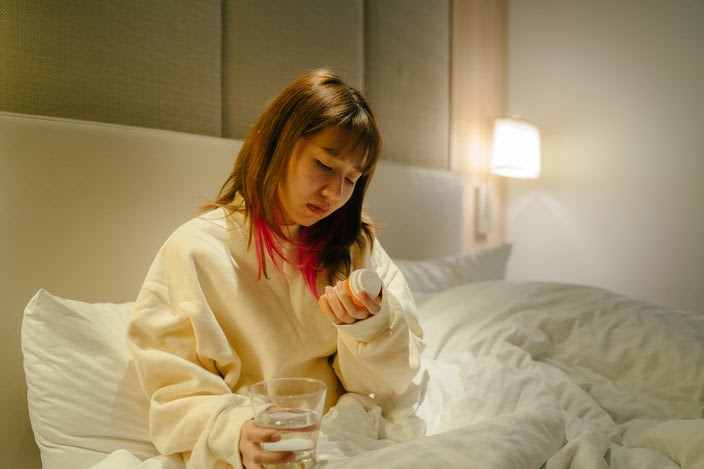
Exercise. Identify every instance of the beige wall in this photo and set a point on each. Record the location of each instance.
(478, 96)
(145, 63)
(267, 44)
(407, 70)
(616, 88)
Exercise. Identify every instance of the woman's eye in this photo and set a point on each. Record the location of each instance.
(323, 166)
(330, 169)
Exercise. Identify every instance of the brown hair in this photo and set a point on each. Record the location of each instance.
(314, 102)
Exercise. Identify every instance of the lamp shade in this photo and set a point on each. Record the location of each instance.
(515, 148)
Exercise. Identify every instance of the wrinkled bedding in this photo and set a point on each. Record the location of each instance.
(625, 377)
(535, 374)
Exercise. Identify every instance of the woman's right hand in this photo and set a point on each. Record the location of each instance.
(251, 452)
(337, 304)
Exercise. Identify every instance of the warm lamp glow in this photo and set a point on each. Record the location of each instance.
(515, 149)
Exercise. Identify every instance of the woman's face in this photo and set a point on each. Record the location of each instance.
(320, 177)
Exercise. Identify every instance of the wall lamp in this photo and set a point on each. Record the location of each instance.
(515, 149)
(515, 153)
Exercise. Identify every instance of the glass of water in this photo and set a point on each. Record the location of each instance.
(294, 407)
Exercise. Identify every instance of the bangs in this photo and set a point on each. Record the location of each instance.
(359, 139)
(356, 134)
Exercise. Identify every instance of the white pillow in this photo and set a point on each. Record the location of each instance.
(83, 393)
(436, 275)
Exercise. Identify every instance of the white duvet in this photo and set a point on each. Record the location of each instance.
(602, 380)
(530, 375)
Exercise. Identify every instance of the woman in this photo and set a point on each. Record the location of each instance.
(235, 296)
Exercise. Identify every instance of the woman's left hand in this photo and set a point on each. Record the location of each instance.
(338, 306)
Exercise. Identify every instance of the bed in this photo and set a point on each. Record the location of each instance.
(515, 374)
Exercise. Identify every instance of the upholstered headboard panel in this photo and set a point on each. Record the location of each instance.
(418, 210)
(85, 206)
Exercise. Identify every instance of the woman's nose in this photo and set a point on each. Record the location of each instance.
(334, 189)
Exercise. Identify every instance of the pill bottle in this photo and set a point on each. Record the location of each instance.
(363, 280)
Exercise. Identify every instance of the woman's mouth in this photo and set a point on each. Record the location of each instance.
(318, 209)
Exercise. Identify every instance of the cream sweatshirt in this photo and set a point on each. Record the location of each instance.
(204, 327)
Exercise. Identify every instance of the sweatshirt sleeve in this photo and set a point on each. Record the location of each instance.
(186, 366)
(381, 354)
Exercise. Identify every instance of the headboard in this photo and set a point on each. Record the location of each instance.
(86, 205)
(418, 210)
